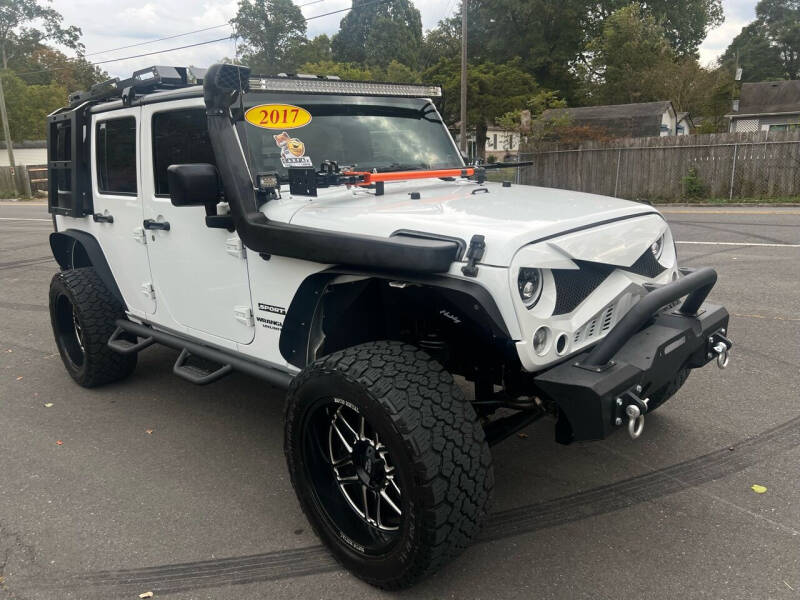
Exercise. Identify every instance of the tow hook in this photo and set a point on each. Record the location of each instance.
(721, 346)
(635, 408)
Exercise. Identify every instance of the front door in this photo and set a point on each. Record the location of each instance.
(117, 197)
(199, 273)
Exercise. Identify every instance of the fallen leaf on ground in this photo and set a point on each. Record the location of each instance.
(59, 443)
(48, 404)
(522, 435)
(20, 377)
(146, 595)
(148, 431)
(758, 489)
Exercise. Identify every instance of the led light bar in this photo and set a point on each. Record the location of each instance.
(319, 85)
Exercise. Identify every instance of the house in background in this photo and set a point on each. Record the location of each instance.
(685, 124)
(766, 106)
(501, 143)
(645, 119)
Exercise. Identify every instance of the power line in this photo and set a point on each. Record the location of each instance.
(102, 62)
(170, 37)
(110, 60)
(177, 35)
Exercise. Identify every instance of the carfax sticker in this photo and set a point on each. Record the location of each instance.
(278, 116)
(293, 151)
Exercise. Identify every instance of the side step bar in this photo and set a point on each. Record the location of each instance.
(228, 360)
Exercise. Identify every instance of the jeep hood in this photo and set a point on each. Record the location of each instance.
(507, 217)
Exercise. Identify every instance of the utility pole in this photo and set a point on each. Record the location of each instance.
(7, 136)
(463, 131)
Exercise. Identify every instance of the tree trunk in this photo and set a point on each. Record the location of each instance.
(480, 140)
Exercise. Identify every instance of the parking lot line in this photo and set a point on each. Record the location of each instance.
(740, 244)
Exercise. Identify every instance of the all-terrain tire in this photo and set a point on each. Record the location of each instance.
(668, 390)
(82, 313)
(436, 444)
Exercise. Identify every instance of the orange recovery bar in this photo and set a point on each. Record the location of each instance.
(369, 178)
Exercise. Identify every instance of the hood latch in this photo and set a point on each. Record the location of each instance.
(477, 246)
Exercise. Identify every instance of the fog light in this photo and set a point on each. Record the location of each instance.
(541, 340)
(267, 181)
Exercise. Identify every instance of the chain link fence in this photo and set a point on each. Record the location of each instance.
(753, 166)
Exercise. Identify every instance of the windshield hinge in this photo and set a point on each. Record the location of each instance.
(477, 246)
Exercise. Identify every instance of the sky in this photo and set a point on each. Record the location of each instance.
(108, 25)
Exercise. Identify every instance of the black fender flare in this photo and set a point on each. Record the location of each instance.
(299, 319)
(65, 245)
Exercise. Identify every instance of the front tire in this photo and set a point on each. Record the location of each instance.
(82, 313)
(388, 460)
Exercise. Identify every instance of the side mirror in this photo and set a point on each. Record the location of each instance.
(193, 185)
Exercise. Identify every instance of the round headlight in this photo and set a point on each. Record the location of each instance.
(529, 283)
(657, 247)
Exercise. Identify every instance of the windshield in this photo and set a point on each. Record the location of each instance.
(364, 133)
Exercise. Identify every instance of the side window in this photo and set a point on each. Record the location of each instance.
(179, 137)
(116, 156)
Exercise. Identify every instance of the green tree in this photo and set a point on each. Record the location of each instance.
(312, 51)
(627, 58)
(28, 105)
(375, 33)
(399, 73)
(685, 24)
(272, 31)
(43, 65)
(755, 54)
(26, 23)
(492, 91)
(350, 71)
(781, 24)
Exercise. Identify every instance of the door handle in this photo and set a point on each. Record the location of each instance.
(101, 218)
(153, 224)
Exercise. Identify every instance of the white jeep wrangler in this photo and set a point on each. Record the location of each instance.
(327, 237)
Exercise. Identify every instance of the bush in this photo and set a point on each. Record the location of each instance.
(693, 186)
(491, 159)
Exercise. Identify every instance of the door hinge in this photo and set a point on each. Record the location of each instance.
(234, 247)
(244, 314)
(148, 290)
(139, 235)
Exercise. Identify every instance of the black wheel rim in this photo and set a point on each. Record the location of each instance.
(355, 484)
(69, 331)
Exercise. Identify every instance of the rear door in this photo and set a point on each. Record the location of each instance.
(117, 197)
(199, 273)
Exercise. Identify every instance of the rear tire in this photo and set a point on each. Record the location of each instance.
(83, 312)
(413, 437)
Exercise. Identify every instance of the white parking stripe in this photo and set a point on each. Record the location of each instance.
(16, 219)
(741, 244)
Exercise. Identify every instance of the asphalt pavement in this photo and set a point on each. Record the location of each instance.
(158, 485)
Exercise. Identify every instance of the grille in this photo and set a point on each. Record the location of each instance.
(574, 285)
(646, 265)
(597, 326)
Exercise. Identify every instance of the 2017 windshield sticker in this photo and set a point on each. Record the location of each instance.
(292, 151)
(278, 116)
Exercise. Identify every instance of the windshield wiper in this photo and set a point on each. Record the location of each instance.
(397, 167)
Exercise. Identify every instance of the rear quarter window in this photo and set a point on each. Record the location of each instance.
(116, 156)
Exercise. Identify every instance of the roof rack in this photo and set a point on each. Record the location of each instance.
(69, 189)
(146, 80)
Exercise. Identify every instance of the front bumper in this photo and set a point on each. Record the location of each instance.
(646, 350)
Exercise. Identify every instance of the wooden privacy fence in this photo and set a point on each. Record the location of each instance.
(733, 166)
(31, 180)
